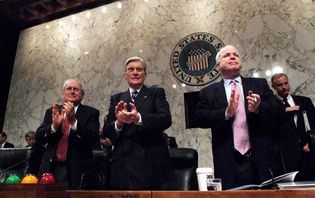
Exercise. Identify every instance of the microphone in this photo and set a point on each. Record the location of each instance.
(272, 179)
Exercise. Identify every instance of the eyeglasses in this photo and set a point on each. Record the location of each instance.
(131, 69)
(72, 89)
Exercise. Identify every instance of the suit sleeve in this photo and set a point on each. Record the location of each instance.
(159, 119)
(110, 118)
(43, 133)
(310, 110)
(208, 114)
(88, 131)
(268, 117)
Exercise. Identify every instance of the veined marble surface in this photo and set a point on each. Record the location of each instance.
(92, 46)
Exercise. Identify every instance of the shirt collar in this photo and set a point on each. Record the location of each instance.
(131, 90)
(228, 81)
(288, 97)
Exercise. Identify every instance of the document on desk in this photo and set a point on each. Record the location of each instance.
(269, 184)
(296, 185)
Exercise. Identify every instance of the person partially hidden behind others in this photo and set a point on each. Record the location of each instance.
(3, 141)
(295, 135)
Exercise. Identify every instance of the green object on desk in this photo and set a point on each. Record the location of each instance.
(12, 179)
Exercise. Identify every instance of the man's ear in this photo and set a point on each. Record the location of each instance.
(217, 65)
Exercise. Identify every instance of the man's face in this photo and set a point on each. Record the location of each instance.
(229, 63)
(72, 92)
(281, 85)
(135, 74)
(30, 141)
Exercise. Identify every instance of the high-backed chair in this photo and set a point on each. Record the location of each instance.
(98, 177)
(13, 161)
(185, 163)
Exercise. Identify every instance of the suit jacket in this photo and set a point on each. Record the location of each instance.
(210, 113)
(36, 154)
(80, 144)
(293, 137)
(140, 158)
(8, 145)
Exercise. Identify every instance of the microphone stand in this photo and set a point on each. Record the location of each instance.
(272, 179)
(87, 173)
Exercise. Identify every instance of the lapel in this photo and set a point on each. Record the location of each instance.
(246, 84)
(220, 94)
(142, 98)
(125, 96)
(300, 118)
(80, 112)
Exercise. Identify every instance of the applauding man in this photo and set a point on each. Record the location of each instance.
(135, 124)
(70, 132)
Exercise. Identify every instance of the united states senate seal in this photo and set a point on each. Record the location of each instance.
(193, 59)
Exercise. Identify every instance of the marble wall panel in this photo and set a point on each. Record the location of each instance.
(92, 46)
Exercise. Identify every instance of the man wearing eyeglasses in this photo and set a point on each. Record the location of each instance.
(135, 124)
(70, 131)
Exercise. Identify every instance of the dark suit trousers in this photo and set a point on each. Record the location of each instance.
(245, 171)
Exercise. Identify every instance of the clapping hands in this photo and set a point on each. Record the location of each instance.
(124, 116)
(58, 115)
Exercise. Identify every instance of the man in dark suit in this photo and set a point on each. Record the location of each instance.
(170, 141)
(135, 125)
(36, 153)
(294, 138)
(239, 111)
(70, 132)
(3, 141)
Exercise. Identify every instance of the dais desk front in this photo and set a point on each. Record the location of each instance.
(59, 191)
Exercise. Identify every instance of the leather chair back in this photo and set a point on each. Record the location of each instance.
(185, 163)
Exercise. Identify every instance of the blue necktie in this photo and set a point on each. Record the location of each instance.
(134, 95)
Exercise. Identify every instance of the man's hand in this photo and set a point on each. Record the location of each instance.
(119, 115)
(306, 148)
(123, 116)
(292, 109)
(57, 117)
(69, 110)
(253, 101)
(233, 103)
(106, 142)
(133, 115)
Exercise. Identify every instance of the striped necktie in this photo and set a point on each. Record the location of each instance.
(134, 95)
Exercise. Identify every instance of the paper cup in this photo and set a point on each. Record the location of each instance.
(202, 175)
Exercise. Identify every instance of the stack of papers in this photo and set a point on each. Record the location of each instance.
(296, 185)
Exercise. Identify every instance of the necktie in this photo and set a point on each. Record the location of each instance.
(291, 116)
(240, 128)
(285, 102)
(62, 147)
(134, 95)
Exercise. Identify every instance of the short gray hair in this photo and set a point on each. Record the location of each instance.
(30, 134)
(137, 59)
(218, 56)
(70, 80)
(278, 75)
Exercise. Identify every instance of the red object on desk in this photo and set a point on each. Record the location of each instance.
(47, 178)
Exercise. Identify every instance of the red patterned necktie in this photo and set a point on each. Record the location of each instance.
(62, 147)
(240, 128)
